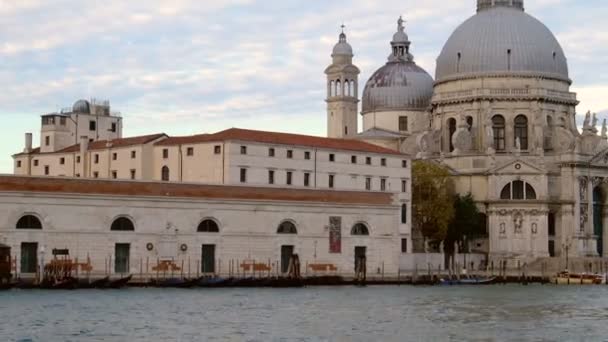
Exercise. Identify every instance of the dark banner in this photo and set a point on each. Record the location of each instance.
(335, 234)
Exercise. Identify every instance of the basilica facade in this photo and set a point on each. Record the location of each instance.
(501, 117)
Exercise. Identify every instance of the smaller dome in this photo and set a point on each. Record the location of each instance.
(343, 48)
(82, 106)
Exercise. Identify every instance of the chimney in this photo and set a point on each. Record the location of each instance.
(28, 143)
(84, 144)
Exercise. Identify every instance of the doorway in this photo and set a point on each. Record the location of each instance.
(598, 227)
(208, 259)
(286, 253)
(29, 257)
(122, 253)
(360, 254)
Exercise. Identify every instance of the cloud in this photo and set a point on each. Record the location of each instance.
(180, 66)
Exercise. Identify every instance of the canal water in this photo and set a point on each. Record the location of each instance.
(493, 313)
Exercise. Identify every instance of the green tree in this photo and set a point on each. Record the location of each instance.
(432, 203)
(465, 223)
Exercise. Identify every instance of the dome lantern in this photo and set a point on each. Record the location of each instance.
(485, 4)
(401, 44)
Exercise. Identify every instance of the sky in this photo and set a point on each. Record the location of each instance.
(189, 66)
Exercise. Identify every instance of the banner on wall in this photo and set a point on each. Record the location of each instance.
(335, 234)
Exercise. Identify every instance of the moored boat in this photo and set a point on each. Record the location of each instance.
(567, 278)
(119, 283)
(468, 281)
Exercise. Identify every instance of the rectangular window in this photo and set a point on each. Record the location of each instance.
(403, 123)
(62, 161)
(35, 162)
(270, 177)
(307, 155)
(114, 156)
(383, 162)
(368, 160)
(289, 177)
(165, 153)
(62, 121)
(243, 175)
(353, 159)
(133, 154)
(78, 159)
(332, 157)
(383, 184)
(114, 174)
(368, 183)
(331, 181)
(217, 149)
(97, 159)
(113, 128)
(95, 174)
(133, 174)
(404, 164)
(307, 179)
(403, 186)
(403, 245)
(18, 163)
(289, 154)
(271, 152)
(243, 149)
(47, 141)
(92, 125)
(190, 151)
(47, 170)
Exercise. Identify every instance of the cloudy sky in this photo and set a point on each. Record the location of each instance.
(192, 66)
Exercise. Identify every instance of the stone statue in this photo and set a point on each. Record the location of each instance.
(594, 121)
(604, 130)
(587, 122)
(518, 222)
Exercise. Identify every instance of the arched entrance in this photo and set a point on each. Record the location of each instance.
(598, 226)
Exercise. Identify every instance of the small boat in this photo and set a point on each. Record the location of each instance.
(176, 282)
(67, 283)
(100, 283)
(214, 282)
(567, 278)
(468, 281)
(119, 283)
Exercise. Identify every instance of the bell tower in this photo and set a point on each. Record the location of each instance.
(342, 91)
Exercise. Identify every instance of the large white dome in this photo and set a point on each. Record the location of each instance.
(501, 39)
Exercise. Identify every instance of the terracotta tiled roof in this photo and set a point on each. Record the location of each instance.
(181, 190)
(279, 139)
(125, 142)
(102, 144)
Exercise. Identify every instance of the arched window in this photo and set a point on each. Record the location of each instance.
(518, 190)
(498, 127)
(404, 213)
(469, 122)
(208, 226)
(521, 131)
(332, 89)
(352, 88)
(359, 229)
(346, 88)
(123, 224)
(287, 227)
(452, 130)
(338, 88)
(165, 174)
(29, 222)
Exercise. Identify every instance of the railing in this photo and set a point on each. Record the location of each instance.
(505, 92)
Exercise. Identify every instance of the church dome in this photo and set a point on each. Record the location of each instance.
(501, 39)
(82, 106)
(343, 47)
(400, 84)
